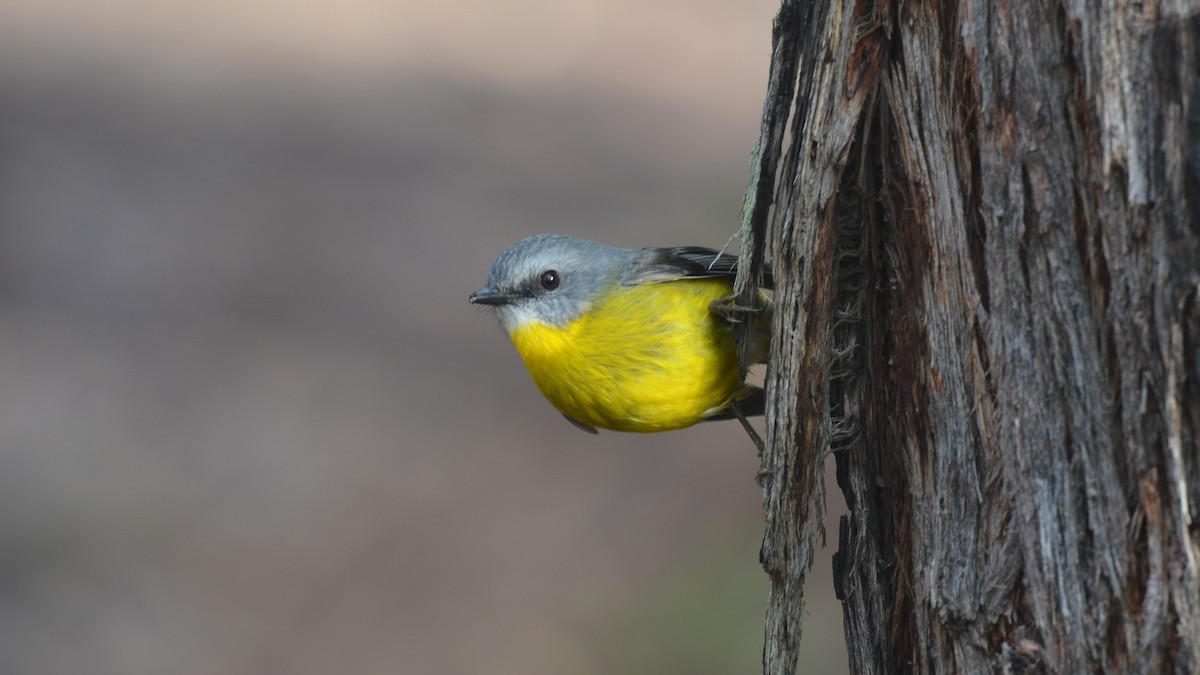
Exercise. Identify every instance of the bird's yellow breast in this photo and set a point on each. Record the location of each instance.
(644, 358)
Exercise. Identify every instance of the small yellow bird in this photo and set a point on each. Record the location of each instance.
(624, 339)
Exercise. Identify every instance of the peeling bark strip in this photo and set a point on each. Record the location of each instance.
(799, 430)
(996, 332)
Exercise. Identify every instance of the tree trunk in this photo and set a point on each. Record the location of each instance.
(995, 331)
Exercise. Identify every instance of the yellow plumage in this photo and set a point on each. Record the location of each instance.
(644, 358)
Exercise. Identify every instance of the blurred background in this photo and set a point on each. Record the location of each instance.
(248, 421)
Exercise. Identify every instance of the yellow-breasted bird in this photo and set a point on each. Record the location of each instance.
(625, 339)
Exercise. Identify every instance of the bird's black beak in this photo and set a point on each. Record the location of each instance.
(491, 296)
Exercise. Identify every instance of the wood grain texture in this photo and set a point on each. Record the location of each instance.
(996, 332)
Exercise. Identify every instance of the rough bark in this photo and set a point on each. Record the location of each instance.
(996, 332)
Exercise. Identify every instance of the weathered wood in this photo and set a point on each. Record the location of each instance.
(997, 333)
(799, 431)
(786, 553)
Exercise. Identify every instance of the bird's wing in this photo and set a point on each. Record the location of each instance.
(655, 265)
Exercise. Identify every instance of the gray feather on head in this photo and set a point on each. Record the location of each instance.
(583, 269)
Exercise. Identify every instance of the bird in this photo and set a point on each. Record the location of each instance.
(628, 339)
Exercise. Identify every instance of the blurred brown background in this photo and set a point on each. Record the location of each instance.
(248, 421)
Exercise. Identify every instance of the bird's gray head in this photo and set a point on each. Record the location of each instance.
(551, 279)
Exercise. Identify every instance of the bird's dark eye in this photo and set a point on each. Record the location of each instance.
(549, 280)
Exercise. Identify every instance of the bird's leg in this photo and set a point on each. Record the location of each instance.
(730, 311)
(754, 437)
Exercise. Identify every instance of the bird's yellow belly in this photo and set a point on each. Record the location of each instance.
(645, 358)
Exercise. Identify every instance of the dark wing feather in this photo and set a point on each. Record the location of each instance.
(668, 264)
